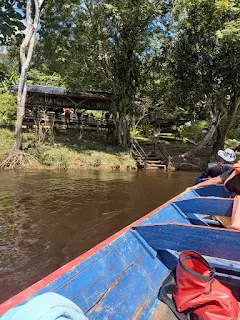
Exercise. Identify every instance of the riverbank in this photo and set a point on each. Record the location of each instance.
(68, 150)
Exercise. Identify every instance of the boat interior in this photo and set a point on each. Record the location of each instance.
(122, 280)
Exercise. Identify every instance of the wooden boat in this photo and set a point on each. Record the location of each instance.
(120, 278)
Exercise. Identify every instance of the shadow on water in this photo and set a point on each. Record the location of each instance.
(49, 218)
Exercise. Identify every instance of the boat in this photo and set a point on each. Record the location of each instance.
(120, 278)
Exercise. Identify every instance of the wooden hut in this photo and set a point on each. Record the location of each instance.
(54, 97)
(46, 104)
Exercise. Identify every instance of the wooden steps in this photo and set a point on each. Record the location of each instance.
(150, 162)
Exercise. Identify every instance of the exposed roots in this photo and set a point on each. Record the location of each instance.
(187, 164)
(16, 159)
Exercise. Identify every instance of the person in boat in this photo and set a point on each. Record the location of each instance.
(215, 169)
(230, 179)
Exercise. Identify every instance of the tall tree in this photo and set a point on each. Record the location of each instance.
(26, 51)
(205, 68)
(100, 45)
(229, 40)
(33, 12)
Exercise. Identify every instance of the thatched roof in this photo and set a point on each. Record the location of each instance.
(61, 97)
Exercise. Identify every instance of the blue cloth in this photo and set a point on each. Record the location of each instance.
(200, 178)
(48, 306)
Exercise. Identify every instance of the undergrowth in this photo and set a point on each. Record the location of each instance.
(68, 150)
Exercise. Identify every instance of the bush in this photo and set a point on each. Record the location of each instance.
(29, 140)
(115, 163)
(46, 160)
(194, 132)
(8, 78)
(36, 77)
(8, 109)
(95, 162)
(234, 134)
(232, 144)
(6, 142)
(63, 162)
(145, 130)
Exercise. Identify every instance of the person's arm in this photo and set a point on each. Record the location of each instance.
(217, 180)
(209, 182)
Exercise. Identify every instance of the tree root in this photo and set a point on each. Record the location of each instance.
(15, 159)
(188, 164)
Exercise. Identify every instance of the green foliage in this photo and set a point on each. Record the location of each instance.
(194, 132)
(180, 57)
(29, 141)
(8, 77)
(232, 143)
(35, 153)
(63, 162)
(8, 109)
(96, 113)
(36, 77)
(3, 71)
(115, 163)
(95, 162)
(201, 61)
(100, 44)
(145, 130)
(46, 160)
(11, 21)
(205, 60)
(234, 134)
(6, 142)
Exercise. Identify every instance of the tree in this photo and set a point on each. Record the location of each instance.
(33, 12)
(100, 45)
(229, 40)
(205, 68)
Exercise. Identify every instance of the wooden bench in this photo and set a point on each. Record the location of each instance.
(196, 209)
(213, 242)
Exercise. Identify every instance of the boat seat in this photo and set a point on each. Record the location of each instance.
(206, 206)
(196, 208)
(214, 191)
(213, 242)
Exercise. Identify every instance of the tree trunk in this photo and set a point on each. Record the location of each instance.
(119, 131)
(214, 103)
(122, 131)
(18, 128)
(220, 138)
(26, 52)
(126, 132)
(226, 125)
(203, 143)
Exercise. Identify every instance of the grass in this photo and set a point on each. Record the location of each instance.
(6, 142)
(69, 151)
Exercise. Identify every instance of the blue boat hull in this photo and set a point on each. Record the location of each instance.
(121, 277)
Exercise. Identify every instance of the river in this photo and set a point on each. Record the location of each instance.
(48, 218)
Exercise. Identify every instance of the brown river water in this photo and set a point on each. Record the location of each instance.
(49, 218)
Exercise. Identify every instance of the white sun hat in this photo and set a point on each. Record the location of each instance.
(227, 155)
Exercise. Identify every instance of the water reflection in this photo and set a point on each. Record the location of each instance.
(49, 218)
